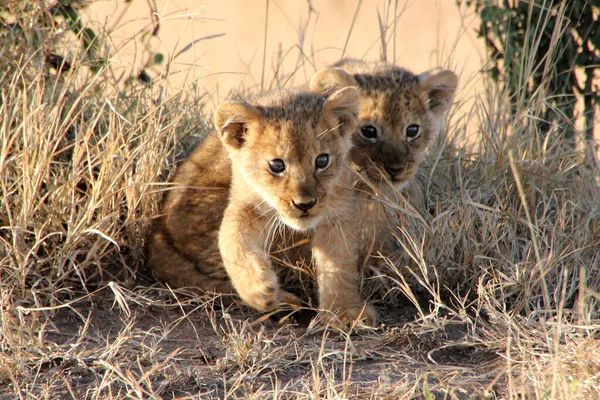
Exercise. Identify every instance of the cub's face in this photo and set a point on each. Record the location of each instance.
(292, 150)
(399, 115)
(395, 128)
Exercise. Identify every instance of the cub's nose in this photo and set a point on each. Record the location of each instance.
(305, 206)
(394, 169)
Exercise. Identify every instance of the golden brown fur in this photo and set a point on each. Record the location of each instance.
(182, 247)
(309, 192)
(393, 102)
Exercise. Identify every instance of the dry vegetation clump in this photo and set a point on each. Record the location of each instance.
(493, 293)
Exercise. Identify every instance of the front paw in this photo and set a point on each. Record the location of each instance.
(350, 317)
(287, 298)
(364, 314)
(262, 293)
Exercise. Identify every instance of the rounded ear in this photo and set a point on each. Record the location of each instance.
(344, 104)
(353, 65)
(440, 88)
(231, 121)
(328, 80)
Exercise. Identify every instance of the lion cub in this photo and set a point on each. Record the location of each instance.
(288, 153)
(182, 248)
(286, 158)
(400, 113)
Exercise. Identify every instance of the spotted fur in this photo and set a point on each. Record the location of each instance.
(393, 100)
(182, 248)
(293, 126)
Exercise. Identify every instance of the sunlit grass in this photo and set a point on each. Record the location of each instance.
(493, 291)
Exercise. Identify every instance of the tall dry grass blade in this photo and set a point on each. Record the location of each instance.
(264, 61)
(356, 11)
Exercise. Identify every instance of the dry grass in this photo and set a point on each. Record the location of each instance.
(493, 292)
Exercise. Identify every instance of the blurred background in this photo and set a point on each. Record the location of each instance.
(215, 46)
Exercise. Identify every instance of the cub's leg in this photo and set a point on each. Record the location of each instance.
(243, 242)
(335, 251)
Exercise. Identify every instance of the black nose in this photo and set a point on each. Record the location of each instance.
(305, 206)
(393, 170)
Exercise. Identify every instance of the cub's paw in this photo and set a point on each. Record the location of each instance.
(365, 315)
(262, 293)
(288, 298)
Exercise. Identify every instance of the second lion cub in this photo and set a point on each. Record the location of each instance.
(290, 175)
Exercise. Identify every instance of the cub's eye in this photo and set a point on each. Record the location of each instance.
(322, 161)
(413, 132)
(277, 166)
(368, 132)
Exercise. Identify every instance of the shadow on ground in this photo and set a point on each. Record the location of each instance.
(152, 343)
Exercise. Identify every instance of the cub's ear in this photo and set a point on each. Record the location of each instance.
(352, 65)
(328, 80)
(440, 88)
(232, 119)
(344, 104)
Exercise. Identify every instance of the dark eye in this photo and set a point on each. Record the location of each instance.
(322, 161)
(277, 166)
(368, 132)
(413, 131)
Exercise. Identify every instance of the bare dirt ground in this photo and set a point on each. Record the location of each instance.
(168, 348)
